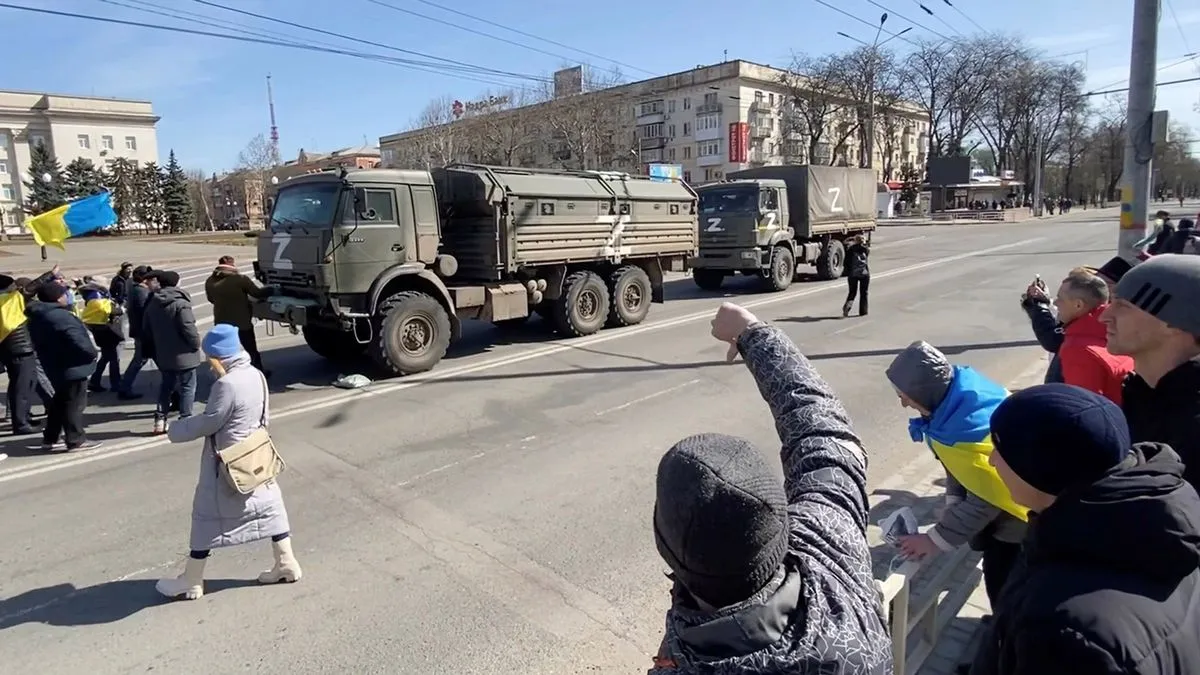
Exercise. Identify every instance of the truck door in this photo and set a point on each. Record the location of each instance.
(379, 240)
(769, 221)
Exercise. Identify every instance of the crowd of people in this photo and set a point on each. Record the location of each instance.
(59, 337)
(1079, 492)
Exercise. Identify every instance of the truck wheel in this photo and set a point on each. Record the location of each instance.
(413, 333)
(629, 288)
(332, 344)
(583, 307)
(783, 269)
(831, 263)
(708, 280)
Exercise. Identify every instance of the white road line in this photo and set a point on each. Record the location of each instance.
(847, 329)
(440, 469)
(884, 244)
(67, 596)
(647, 397)
(341, 397)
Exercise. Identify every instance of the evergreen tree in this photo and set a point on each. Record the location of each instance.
(81, 179)
(120, 179)
(43, 195)
(149, 196)
(177, 203)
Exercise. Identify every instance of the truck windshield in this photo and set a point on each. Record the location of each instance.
(734, 200)
(309, 204)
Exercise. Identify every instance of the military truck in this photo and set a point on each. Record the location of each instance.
(765, 221)
(391, 262)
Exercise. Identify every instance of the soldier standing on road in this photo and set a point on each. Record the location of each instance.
(66, 352)
(143, 284)
(171, 338)
(230, 292)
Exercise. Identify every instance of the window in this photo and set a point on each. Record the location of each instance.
(758, 97)
(85, 142)
(687, 152)
(3, 140)
(771, 99)
(379, 207)
(106, 142)
(705, 122)
(710, 98)
(652, 130)
(37, 141)
(389, 155)
(3, 167)
(671, 106)
(708, 149)
(670, 154)
(687, 103)
(651, 108)
(687, 176)
(708, 174)
(687, 128)
(130, 143)
(671, 131)
(6, 193)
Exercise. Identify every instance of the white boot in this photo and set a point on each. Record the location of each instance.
(189, 585)
(286, 568)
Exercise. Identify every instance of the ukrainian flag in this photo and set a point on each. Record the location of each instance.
(72, 219)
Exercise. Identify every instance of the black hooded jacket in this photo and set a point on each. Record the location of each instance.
(63, 344)
(1108, 581)
(1168, 413)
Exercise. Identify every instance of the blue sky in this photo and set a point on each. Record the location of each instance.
(211, 93)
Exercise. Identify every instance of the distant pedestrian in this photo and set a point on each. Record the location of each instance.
(103, 317)
(66, 352)
(858, 275)
(171, 338)
(1110, 570)
(141, 286)
(230, 293)
(119, 289)
(237, 406)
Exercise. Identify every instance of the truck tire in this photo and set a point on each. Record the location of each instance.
(412, 334)
(629, 290)
(831, 262)
(582, 308)
(332, 344)
(783, 269)
(708, 280)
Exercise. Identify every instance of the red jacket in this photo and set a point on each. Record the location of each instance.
(1086, 361)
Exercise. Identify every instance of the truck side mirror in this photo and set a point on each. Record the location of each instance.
(360, 200)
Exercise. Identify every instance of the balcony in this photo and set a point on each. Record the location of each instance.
(651, 156)
(710, 160)
(651, 118)
(706, 108)
(761, 131)
(710, 134)
(761, 106)
(652, 143)
(758, 156)
(650, 112)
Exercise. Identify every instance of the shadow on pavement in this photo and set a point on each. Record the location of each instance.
(1024, 254)
(948, 350)
(809, 319)
(109, 602)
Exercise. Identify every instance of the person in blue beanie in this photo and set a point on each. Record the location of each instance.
(237, 407)
(1109, 576)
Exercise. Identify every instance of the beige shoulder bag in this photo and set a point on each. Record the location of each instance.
(252, 461)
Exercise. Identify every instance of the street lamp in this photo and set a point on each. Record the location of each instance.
(871, 75)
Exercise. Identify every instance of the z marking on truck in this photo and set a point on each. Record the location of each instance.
(613, 246)
(281, 241)
(714, 225)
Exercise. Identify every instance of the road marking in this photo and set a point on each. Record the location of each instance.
(557, 347)
(847, 329)
(647, 397)
(9, 618)
(440, 469)
(883, 244)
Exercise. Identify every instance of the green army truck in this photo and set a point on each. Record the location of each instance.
(764, 222)
(390, 262)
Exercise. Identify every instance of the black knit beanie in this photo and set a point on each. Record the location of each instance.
(720, 518)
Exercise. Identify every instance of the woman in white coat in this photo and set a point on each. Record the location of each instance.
(221, 516)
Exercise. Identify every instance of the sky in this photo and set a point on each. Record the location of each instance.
(211, 92)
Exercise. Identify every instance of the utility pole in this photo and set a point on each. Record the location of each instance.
(1139, 139)
(869, 160)
(1038, 200)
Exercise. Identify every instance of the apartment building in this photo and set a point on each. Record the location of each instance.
(100, 129)
(709, 121)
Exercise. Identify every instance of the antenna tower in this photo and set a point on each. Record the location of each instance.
(274, 129)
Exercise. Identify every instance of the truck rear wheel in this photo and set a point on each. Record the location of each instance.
(583, 307)
(708, 280)
(783, 269)
(413, 333)
(332, 344)
(629, 288)
(831, 263)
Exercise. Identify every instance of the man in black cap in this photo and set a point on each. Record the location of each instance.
(65, 349)
(770, 577)
(1155, 319)
(1111, 564)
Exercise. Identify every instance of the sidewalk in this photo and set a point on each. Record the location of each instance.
(938, 641)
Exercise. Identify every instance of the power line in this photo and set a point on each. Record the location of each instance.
(964, 15)
(1182, 33)
(1158, 84)
(923, 27)
(532, 36)
(865, 22)
(1185, 59)
(940, 19)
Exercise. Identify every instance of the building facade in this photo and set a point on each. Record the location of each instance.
(708, 121)
(99, 129)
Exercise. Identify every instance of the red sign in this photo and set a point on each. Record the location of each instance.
(739, 141)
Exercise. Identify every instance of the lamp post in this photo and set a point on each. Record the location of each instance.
(872, 75)
(48, 180)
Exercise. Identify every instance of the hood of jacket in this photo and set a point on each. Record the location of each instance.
(239, 360)
(965, 415)
(169, 298)
(1141, 519)
(224, 271)
(1088, 328)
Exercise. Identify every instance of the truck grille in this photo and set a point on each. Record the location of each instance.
(276, 277)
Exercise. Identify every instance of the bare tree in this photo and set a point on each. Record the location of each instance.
(591, 131)
(508, 133)
(817, 109)
(258, 155)
(1057, 93)
(871, 78)
(200, 194)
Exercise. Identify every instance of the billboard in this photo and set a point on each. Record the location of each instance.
(568, 82)
(739, 141)
(949, 171)
(665, 172)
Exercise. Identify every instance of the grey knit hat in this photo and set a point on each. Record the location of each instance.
(922, 373)
(1166, 287)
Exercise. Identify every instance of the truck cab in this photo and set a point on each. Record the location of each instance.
(742, 225)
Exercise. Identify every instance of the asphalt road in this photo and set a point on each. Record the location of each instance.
(492, 516)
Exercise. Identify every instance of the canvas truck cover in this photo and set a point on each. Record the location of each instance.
(823, 198)
(498, 219)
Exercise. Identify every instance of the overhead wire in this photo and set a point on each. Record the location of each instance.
(1168, 83)
(964, 15)
(936, 16)
(1182, 33)
(917, 24)
(863, 21)
(1185, 59)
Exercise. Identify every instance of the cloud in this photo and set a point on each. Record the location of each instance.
(1059, 41)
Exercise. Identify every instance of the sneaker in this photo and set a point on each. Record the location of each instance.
(160, 426)
(3, 456)
(846, 310)
(54, 447)
(86, 445)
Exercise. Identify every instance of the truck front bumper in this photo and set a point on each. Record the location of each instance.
(733, 259)
(286, 309)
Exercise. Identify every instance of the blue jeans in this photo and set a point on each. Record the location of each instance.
(183, 381)
(135, 366)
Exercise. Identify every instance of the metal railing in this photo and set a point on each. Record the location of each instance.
(916, 623)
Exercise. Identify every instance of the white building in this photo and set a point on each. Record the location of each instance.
(710, 121)
(99, 129)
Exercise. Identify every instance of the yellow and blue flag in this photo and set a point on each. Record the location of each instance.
(72, 219)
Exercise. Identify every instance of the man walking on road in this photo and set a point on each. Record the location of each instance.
(143, 284)
(769, 577)
(173, 341)
(230, 292)
(1156, 320)
(65, 349)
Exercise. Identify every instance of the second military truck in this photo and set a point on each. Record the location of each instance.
(765, 221)
(390, 262)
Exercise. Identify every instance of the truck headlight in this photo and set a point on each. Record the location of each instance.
(749, 255)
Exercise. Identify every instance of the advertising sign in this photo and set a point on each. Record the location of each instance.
(739, 141)
(665, 172)
(483, 105)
